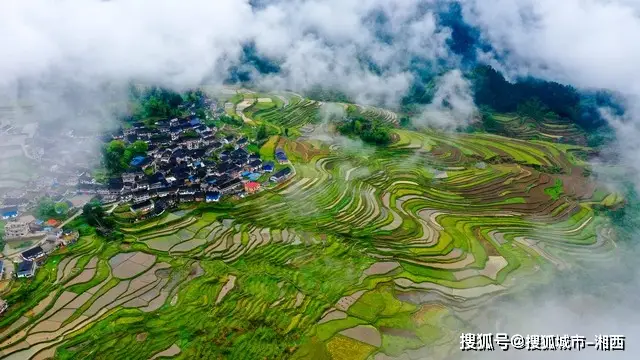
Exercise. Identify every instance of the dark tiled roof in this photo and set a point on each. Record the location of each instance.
(141, 205)
(282, 173)
(25, 266)
(230, 183)
(32, 253)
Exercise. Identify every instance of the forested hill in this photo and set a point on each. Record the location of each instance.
(491, 90)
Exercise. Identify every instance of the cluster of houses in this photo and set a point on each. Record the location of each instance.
(186, 161)
(30, 259)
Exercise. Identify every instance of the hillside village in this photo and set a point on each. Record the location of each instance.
(185, 161)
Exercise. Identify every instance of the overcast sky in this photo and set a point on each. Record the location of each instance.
(182, 44)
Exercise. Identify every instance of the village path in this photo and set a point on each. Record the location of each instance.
(69, 219)
(16, 254)
(240, 108)
(112, 208)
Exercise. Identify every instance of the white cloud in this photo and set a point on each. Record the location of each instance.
(452, 106)
(587, 43)
(183, 44)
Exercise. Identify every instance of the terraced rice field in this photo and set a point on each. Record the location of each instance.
(369, 254)
(549, 129)
(376, 113)
(297, 113)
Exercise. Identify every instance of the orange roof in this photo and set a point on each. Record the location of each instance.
(252, 185)
(52, 222)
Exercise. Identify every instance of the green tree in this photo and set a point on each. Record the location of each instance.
(159, 102)
(262, 132)
(286, 131)
(533, 108)
(231, 120)
(194, 96)
(61, 208)
(112, 155)
(369, 131)
(139, 147)
(46, 208)
(94, 214)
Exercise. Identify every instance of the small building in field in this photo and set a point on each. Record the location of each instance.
(33, 254)
(281, 157)
(281, 175)
(143, 207)
(213, 196)
(26, 269)
(251, 187)
(268, 166)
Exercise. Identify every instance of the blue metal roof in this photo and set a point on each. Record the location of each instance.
(213, 196)
(137, 160)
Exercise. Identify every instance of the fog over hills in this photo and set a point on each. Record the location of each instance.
(71, 57)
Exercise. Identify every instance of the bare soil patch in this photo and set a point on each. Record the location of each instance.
(492, 268)
(171, 351)
(469, 293)
(63, 300)
(231, 283)
(84, 276)
(92, 263)
(45, 354)
(61, 267)
(42, 304)
(106, 299)
(364, 333)
(299, 299)
(345, 302)
(380, 268)
(333, 315)
(196, 271)
(127, 265)
(69, 267)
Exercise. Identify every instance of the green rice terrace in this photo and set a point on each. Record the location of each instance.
(364, 253)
